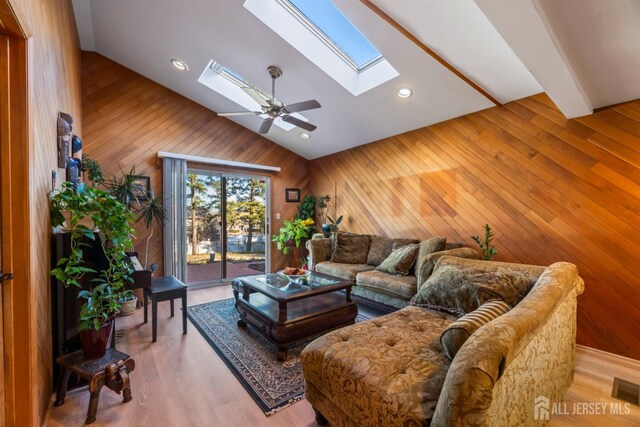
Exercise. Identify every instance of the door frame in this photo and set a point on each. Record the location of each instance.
(267, 227)
(20, 360)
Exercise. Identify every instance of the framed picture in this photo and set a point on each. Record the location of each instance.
(292, 195)
(141, 187)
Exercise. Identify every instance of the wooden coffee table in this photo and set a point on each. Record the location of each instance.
(286, 312)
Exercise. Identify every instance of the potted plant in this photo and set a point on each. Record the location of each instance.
(112, 220)
(488, 250)
(149, 212)
(292, 233)
(128, 302)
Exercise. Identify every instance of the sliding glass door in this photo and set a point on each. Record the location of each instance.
(227, 226)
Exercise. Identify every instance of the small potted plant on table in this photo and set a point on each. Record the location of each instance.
(112, 220)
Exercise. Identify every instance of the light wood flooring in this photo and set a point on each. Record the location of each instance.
(180, 381)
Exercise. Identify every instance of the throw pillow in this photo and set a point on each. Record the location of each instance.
(400, 261)
(351, 248)
(381, 248)
(459, 331)
(429, 246)
(460, 289)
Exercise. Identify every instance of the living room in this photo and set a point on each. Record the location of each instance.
(381, 154)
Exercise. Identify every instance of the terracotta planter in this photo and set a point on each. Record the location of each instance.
(95, 343)
(127, 308)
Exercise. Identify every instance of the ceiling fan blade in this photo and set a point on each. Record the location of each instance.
(266, 125)
(302, 106)
(255, 95)
(240, 113)
(300, 123)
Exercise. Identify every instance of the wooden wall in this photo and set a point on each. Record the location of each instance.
(54, 85)
(552, 189)
(129, 118)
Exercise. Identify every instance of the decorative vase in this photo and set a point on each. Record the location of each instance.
(128, 307)
(326, 230)
(95, 343)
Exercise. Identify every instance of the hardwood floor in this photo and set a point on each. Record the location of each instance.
(180, 381)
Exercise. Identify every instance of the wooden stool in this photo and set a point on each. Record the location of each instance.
(111, 370)
(165, 288)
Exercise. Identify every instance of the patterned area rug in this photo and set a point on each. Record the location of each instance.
(273, 385)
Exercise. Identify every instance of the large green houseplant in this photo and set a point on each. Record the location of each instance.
(112, 220)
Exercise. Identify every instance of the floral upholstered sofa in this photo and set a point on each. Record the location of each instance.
(360, 258)
(401, 370)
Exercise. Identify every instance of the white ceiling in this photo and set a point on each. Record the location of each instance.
(477, 37)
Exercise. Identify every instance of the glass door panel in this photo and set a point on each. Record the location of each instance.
(246, 226)
(204, 227)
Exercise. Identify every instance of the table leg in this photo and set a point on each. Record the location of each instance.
(154, 318)
(281, 354)
(145, 307)
(171, 303)
(62, 387)
(184, 312)
(126, 387)
(93, 406)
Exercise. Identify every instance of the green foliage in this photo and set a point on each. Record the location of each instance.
(149, 212)
(247, 205)
(488, 250)
(112, 219)
(307, 208)
(123, 187)
(93, 170)
(292, 233)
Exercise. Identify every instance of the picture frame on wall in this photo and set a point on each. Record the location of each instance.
(292, 195)
(141, 187)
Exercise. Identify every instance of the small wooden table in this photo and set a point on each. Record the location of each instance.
(286, 312)
(165, 288)
(111, 370)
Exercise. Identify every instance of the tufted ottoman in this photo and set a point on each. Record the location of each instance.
(383, 372)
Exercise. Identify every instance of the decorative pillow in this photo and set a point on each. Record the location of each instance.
(429, 246)
(459, 331)
(461, 289)
(381, 248)
(351, 248)
(400, 261)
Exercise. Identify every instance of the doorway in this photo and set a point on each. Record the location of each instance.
(227, 224)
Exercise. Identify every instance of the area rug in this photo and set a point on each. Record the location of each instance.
(273, 385)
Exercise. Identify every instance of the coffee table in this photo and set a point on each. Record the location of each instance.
(286, 312)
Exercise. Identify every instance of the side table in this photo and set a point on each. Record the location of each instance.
(111, 370)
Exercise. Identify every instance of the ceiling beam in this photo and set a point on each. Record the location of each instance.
(375, 9)
(525, 28)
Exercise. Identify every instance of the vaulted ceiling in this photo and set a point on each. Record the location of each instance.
(509, 49)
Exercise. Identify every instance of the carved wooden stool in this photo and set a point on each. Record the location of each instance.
(111, 370)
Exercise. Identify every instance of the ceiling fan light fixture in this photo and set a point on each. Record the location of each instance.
(405, 92)
(305, 135)
(179, 65)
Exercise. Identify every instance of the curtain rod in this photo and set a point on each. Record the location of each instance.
(219, 162)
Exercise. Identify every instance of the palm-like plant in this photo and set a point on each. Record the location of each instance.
(150, 212)
(124, 187)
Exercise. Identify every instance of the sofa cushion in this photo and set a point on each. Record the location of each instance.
(459, 331)
(429, 246)
(383, 372)
(345, 271)
(404, 287)
(400, 260)
(351, 248)
(381, 248)
(463, 287)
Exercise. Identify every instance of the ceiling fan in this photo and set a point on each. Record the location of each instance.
(274, 108)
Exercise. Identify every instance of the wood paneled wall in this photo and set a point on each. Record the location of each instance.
(552, 189)
(54, 85)
(129, 118)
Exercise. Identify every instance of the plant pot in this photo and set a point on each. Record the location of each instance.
(128, 307)
(326, 230)
(95, 343)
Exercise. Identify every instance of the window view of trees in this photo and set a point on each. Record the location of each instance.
(246, 213)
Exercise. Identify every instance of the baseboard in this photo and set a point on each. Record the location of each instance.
(608, 354)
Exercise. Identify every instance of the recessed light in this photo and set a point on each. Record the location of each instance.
(305, 135)
(179, 65)
(405, 92)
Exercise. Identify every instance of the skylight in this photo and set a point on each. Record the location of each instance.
(324, 16)
(229, 84)
(325, 36)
